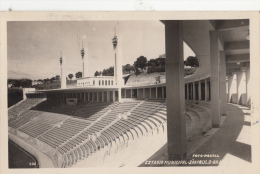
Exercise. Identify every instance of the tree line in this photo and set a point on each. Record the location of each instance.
(141, 64)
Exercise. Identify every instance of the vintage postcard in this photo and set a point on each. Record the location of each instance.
(146, 91)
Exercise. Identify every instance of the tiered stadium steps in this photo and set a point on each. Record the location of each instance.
(59, 107)
(200, 118)
(106, 128)
(93, 110)
(117, 129)
(127, 136)
(26, 118)
(141, 121)
(22, 106)
(63, 131)
(95, 137)
(41, 124)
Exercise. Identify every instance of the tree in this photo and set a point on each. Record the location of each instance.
(53, 79)
(156, 65)
(97, 73)
(78, 75)
(70, 76)
(108, 72)
(141, 62)
(57, 77)
(46, 80)
(192, 61)
(127, 69)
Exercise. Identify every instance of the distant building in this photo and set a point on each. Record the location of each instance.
(96, 81)
(36, 83)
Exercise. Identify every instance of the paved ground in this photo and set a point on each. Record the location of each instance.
(228, 145)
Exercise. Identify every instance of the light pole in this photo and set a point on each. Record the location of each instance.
(114, 42)
(82, 51)
(61, 71)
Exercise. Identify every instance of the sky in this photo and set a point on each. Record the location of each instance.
(34, 48)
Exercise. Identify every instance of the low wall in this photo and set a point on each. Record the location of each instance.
(45, 155)
(43, 160)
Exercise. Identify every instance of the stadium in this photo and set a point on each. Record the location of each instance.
(114, 121)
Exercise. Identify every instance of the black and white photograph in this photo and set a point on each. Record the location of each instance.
(142, 92)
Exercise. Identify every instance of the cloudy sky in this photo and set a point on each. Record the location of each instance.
(34, 48)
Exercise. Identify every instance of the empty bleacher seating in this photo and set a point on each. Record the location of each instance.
(59, 107)
(41, 124)
(22, 106)
(93, 126)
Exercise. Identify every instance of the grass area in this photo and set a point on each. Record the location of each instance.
(152, 78)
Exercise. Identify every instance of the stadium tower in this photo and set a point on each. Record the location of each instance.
(117, 46)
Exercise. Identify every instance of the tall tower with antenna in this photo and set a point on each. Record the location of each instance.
(63, 81)
(114, 42)
(82, 52)
(117, 46)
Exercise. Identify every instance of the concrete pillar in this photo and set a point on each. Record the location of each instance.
(108, 96)
(176, 124)
(119, 95)
(97, 96)
(150, 92)
(84, 96)
(237, 74)
(125, 92)
(103, 96)
(137, 93)
(93, 96)
(199, 90)
(214, 79)
(222, 80)
(88, 96)
(206, 90)
(248, 95)
(162, 92)
(114, 96)
(143, 92)
(188, 91)
(232, 87)
(193, 91)
(241, 84)
(156, 92)
(131, 93)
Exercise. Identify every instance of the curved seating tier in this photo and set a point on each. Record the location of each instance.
(111, 129)
(20, 121)
(63, 132)
(22, 106)
(96, 125)
(93, 110)
(59, 107)
(41, 124)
